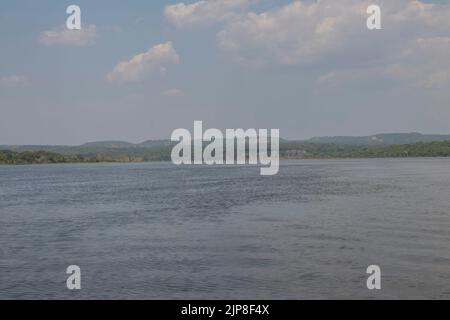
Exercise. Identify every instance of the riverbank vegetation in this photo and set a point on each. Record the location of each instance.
(288, 150)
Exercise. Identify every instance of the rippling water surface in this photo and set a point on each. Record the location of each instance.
(156, 231)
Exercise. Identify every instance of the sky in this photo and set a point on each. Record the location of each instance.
(138, 70)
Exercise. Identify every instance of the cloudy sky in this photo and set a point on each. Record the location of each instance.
(140, 69)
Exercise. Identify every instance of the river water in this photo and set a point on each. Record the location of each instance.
(157, 231)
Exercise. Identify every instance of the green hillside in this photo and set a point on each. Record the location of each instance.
(162, 152)
(382, 139)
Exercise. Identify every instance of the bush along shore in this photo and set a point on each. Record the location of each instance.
(288, 150)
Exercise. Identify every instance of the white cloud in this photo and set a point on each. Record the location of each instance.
(63, 36)
(332, 35)
(155, 60)
(13, 80)
(204, 13)
(298, 32)
(173, 93)
(424, 63)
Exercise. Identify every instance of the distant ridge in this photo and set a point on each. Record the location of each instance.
(108, 144)
(154, 143)
(125, 145)
(393, 145)
(382, 139)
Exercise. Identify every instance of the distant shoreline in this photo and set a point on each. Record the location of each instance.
(284, 159)
(156, 161)
(151, 151)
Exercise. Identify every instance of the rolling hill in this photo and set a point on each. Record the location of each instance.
(382, 139)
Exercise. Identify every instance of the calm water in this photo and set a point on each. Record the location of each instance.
(156, 231)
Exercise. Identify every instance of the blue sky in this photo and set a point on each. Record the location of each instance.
(303, 68)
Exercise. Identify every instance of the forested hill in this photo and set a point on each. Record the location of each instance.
(382, 139)
(34, 157)
(162, 152)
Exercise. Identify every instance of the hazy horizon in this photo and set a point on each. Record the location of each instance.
(281, 137)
